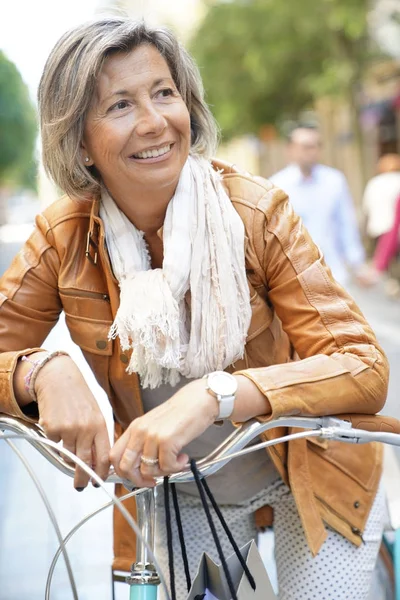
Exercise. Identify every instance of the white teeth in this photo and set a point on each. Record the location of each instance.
(153, 153)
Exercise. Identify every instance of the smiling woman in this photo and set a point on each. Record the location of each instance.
(196, 296)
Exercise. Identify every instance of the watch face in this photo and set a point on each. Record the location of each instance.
(221, 383)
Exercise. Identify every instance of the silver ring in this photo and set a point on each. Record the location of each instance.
(149, 461)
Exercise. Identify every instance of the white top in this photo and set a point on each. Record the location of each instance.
(379, 202)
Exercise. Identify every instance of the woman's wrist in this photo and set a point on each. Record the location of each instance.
(51, 375)
(250, 402)
(28, 371)
(37, 369)
(211, 402)
(22, 369)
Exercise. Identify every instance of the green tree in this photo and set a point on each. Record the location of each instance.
(263, 61)
(18, 129)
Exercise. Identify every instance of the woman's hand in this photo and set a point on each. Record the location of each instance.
(69, 412)
(162, 433)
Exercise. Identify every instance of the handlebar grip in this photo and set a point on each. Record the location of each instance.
(372, 422)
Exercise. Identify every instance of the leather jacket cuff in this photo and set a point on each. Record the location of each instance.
(8, 363)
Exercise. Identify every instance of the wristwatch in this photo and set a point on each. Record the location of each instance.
(223, 386)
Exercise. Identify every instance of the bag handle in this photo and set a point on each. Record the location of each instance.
(169, 538)
(202, 486)
(229, 534)
(203, 489)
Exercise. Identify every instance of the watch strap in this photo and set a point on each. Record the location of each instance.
(226, 402)
(226, 406)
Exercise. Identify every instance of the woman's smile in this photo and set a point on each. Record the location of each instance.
(155, 154)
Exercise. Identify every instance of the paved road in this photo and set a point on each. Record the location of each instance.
(27, 539)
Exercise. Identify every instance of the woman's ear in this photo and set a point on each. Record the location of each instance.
(86, 159)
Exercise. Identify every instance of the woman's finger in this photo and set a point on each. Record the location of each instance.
(118, 449)
(129, 468)
(69, 443)
(53, 433)
(149, 461)
(170, 462)
(70, 448)
(139, 480)
(125, 457)
(169, 454)
(101, 454)
(132, 451)
(84, 452)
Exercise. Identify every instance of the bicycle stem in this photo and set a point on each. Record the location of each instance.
(144, 579)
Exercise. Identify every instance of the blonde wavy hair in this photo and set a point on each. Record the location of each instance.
(68, 84)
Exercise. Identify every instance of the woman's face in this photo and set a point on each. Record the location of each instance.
(137, 132)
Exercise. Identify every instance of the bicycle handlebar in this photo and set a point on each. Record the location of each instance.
(347, 428)
(350, 428)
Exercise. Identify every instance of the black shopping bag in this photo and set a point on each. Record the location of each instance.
(210, 582)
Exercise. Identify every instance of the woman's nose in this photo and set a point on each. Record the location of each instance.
(151, 121)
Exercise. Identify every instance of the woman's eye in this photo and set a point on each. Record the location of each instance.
(166, 92)
(119, 105)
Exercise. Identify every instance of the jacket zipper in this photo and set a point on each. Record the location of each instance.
(354, 530)
(85, 294)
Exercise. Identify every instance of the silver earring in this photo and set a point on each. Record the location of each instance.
(87, 159)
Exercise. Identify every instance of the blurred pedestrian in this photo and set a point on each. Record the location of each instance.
(386, 251)
(388, 244)
(380, 197)
(321, 197)
(381, 205)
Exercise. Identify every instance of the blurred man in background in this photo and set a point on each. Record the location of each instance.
(321, 197)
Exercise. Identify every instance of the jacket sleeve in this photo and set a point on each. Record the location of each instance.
(29, 308)
(342, 367)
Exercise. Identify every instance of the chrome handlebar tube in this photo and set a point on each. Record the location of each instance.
(325, 427)
(328, 427)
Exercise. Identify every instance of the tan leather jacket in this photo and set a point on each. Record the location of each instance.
(297, 309)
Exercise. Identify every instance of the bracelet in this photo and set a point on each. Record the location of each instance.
(30, 377)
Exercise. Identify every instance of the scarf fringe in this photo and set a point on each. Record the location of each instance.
(152, 330)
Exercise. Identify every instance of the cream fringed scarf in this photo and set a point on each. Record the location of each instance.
(203, 251)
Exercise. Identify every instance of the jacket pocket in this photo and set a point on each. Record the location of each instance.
(361, 463)
(87, 304)
(344, 480)
(88, 318)
(90, 335)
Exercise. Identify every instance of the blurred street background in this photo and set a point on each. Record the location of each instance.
(267, 67)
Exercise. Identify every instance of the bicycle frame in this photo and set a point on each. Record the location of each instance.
(144, 578)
